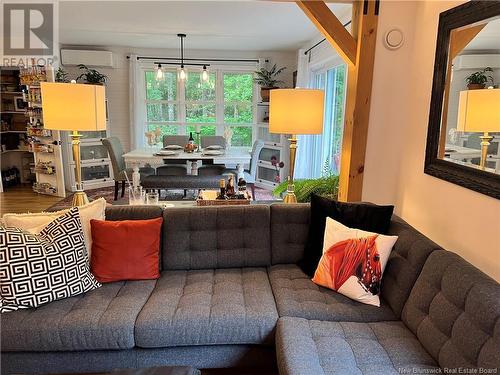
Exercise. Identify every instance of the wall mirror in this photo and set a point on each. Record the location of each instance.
(463, 140)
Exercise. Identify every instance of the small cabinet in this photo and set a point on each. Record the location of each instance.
(94, 175)
(94, 158)
(267, 177)
(95, 172)
(92, 152)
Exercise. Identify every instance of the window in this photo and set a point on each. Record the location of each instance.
(334, 117)
(238, 106)
(200, 104)
(320, 154)
(225, 101)
(161, 102)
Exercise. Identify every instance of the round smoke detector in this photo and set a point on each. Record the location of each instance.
(394, 38)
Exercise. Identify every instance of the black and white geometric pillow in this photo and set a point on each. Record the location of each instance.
(37, 269)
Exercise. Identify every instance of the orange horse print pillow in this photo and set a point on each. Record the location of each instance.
(353, 262)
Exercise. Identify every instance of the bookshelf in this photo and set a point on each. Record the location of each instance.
(43, 143)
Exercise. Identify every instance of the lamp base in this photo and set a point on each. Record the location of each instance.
(290, 196)
(485, 143)
(80, 199)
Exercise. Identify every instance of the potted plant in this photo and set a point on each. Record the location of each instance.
(61, 75)
(326, 186)
(91, 76)
(267, 80)
(477, 80)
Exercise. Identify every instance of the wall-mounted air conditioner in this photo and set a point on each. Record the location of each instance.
(476, 61)
(71, 57)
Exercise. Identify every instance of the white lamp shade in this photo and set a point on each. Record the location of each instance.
(296, 111)
(73, 106)
(479, 111)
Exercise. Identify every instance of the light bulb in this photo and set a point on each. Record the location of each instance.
(159, 73)
(182, 74)
(204, 74)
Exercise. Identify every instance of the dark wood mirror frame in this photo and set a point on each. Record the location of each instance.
(475, 179)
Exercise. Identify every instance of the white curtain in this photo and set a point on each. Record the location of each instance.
(136, 122)
(305, 160)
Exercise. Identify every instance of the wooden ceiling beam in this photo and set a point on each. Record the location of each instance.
(330, 26)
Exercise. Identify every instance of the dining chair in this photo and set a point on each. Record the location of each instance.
(250, 174)
(173, 167)
(208, 168)
(120, 170)
(175, 140)
(213, 140)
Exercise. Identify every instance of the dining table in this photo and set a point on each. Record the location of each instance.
(150, 156)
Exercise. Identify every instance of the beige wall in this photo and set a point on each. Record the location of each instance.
(458, 219)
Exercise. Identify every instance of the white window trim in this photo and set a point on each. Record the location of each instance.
(181, 102)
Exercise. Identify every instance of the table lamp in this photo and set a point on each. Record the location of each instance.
(295, 111)
(74, 107)
(479, 112)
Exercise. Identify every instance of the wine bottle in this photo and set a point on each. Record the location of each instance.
(222, 187)
(191, 139)
(230, 186)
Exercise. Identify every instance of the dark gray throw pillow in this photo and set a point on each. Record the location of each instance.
(37, 269)
(364, 216)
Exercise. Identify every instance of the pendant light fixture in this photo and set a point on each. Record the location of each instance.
(182, 73)
(204, 74)
(159, 73)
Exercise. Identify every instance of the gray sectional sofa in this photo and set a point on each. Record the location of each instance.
(231, 294)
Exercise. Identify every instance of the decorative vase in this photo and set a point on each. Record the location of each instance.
(228, 135)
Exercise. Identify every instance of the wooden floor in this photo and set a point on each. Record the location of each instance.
(21, 199)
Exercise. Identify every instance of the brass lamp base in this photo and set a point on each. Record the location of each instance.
(485, 142)
(290, 196)
(79, 199)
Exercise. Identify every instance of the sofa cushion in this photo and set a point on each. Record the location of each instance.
(296, 295)
(454, 309)
(405, 263)
(203, 307)
(101, 319)
(216, 237)
(314, 347)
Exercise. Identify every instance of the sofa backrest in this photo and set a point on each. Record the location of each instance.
(289, 229)
(405, 263)
(116, 213)
(454, 310)
(216, 237)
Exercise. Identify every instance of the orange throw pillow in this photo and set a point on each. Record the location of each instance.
(125, 250)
